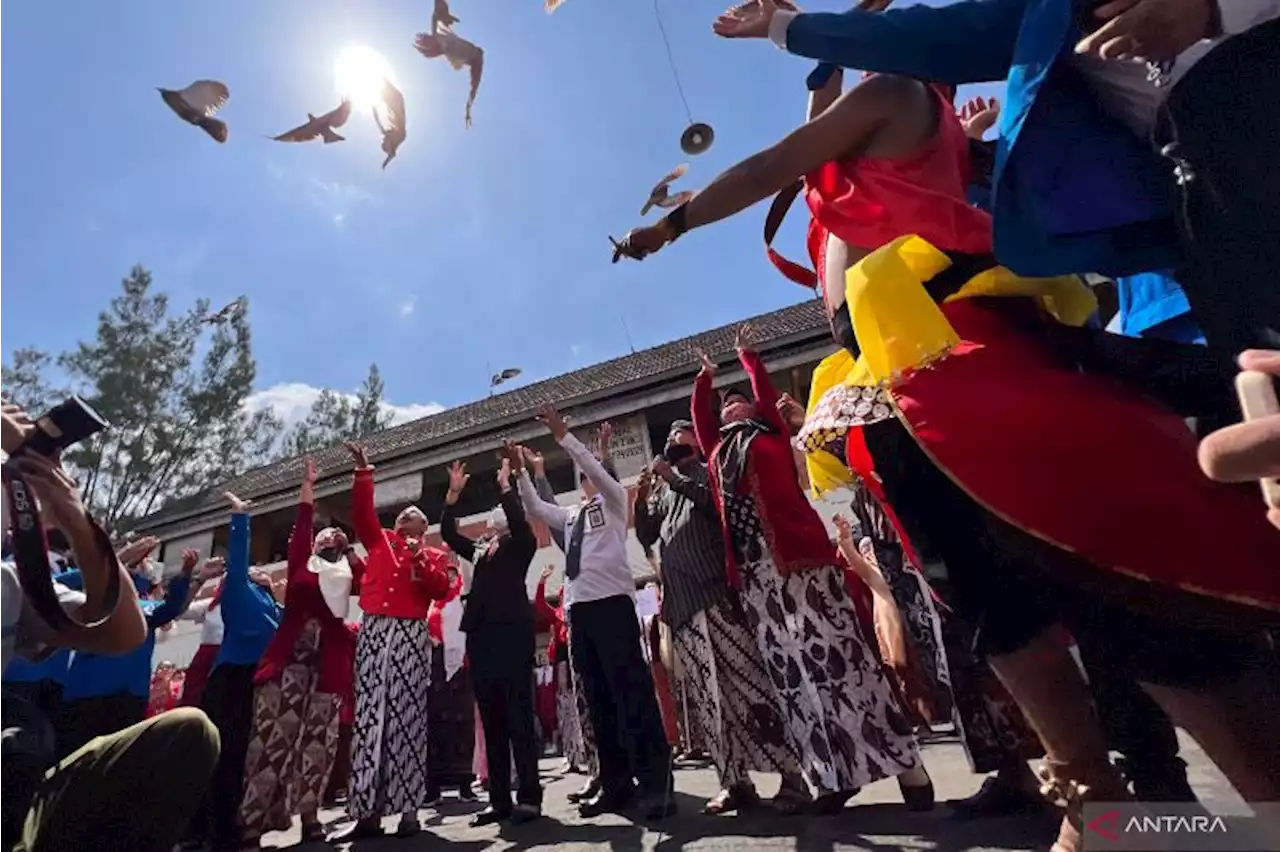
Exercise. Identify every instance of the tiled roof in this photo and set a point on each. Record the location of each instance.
(457, 425)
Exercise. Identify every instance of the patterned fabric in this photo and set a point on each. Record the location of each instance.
(451, 711)
(389, 756)
(295, 741)
(991, 726)
(583, 711)
(733, 706)
(911, 593)
(692, 736)
(575, 751)
(836, 703)
(841, 408)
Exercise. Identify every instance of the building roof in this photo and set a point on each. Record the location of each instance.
(778, 329)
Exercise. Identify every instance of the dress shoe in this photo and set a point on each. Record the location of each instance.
(489, 816)
(589, 791)
(606, 803)
(358, 830)
(466, 793)
(524, 814)
(998, 796)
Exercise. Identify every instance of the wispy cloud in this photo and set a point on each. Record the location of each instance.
(336, 199)
(291, 401)
(408, 305)
(575, 349)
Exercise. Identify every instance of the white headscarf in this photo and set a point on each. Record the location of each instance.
(498, 523)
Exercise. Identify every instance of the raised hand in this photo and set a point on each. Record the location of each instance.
(603, 439)
(746, 20)
(662, 468)
(358, 454)
(978, 116)
(639, 243)
(791, 411)
(547, 571)
(516, 454)
(458, 478)
(211, 568)
(504, 475)
(238, 506)
(17, 426)
(535, 460)
(137, 550)
(309, 472)
(1156, 30)
(844, 529)
(190, 557)
(645, 483)
(708, 366)
(548, 416)
(743, 341)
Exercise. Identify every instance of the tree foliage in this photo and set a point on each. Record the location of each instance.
(336, 417)
(173, 386)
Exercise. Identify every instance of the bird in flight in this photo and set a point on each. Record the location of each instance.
(505, 376)
(198, 103)
(659, 197)
(441, 17)
(460, 53)
(226, 312)
(319, 127)
(393, 132)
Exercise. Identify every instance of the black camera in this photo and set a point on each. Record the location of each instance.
(69, 422)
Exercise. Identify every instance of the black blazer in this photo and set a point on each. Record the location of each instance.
(498, 594)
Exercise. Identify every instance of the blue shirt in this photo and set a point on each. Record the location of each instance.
(1153, 305)
(250, 615)
(102, 675)
(53, 669)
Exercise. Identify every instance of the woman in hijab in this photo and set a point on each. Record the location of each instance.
(300, 682)
(835, 700)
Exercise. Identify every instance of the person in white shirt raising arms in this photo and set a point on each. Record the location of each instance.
(605, 635)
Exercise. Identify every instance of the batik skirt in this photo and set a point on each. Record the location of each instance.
(836, 703)
(575, 751)
(388, 750)
(294, 743)
(450, 730)
(591, 760)
(734, 710)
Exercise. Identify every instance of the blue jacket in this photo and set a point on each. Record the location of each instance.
(250, 615)
(102, 675)
(54, 669)
(1074, 190)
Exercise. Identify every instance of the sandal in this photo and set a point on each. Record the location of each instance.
(731, 799)
(830, 804)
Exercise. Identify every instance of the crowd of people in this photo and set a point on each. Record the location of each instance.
(1104, 577)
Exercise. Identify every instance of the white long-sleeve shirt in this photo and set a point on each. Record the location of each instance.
(605, 571)
(208, 617)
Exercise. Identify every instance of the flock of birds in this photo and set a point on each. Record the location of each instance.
(198, 103)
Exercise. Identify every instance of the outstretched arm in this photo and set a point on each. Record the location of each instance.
(364, 517)
(706, 425)
(762, 388)
(300, 538)
(550, 513)
(459, 543)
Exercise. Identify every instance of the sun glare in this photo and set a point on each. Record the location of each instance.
(358, 74)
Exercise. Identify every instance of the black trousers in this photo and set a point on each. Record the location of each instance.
(630, 738)
(228, 701)
(501, 666)
(1221, 124)
(82, 719)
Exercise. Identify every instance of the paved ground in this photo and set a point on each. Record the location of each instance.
(874, 821)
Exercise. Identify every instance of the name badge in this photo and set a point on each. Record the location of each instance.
(595, 517)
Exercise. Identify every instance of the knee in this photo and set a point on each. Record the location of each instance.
(191, 736)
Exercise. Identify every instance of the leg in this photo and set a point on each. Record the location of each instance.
(491, 698)
(631, 691)
(235, 729)
(524, 745)
(1136, 727)
(615, 771)
(91, 794)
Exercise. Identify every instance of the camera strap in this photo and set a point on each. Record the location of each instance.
(31, 558)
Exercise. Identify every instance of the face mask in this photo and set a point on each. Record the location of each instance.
(330, 554)
(677, 453)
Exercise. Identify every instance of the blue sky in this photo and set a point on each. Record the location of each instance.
(486, 246)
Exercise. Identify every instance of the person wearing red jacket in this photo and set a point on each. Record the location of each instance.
(402, 576)
(298, 687)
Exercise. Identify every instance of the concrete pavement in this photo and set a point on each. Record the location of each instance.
(874, 821)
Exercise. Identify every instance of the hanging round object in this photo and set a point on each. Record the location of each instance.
(697, 137)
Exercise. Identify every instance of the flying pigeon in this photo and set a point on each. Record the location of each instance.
(226, 312)
(551, 5)
(197, 104)
(506, 375)
(658, 196)
(322, 127)
(393, 134)
(441, 17)
(460, 53)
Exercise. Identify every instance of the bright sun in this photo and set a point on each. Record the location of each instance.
(358, 74)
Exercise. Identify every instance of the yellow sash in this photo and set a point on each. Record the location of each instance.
(900, 327)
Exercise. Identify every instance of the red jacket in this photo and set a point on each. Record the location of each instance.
(396, 583)
(795, 534)
(543, 611)
(303, 602)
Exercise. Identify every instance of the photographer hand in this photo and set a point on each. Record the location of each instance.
(238, 506)
(137, 550)
(17, 426)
